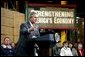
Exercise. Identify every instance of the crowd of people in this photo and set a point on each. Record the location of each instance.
(8, 48)
(68, 49)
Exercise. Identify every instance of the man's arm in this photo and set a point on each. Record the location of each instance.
(24, 29)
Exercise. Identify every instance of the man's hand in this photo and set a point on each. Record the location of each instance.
(31, 29)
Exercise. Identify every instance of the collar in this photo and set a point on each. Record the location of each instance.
(6, 46)
(65, 48)
(31, 23)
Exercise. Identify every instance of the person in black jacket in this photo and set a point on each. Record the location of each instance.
(6, 48)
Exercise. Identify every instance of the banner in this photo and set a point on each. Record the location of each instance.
(59, 18)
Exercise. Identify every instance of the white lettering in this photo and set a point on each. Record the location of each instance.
(63, 21)
(44, 20)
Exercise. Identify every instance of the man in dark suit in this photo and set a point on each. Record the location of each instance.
(28, 33)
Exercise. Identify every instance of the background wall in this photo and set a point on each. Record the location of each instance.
(10, 24)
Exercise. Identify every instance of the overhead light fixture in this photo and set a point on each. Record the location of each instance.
(63, 2)
(50, 1)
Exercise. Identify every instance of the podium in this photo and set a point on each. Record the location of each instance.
(45, 44)
(47, 37)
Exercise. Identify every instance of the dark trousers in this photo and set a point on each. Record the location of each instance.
(28, 50)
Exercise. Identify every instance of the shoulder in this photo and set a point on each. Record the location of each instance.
(82, 49)
(62, 48)
(68, 48)
(3, 46)
(23, 24)
(74, 49)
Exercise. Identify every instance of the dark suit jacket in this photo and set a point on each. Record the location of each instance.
(6, 51)
(25, 40)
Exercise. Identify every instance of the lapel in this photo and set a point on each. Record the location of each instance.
(28, 24)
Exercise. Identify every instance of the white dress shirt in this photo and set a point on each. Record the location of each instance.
(65, 52)
(6, 46)
(33, 33)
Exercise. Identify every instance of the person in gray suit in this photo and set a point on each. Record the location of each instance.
(29, 32)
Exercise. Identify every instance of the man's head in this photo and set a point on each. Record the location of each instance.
(7, 40)
(65, 44)
(70, 45)
(33, 17)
